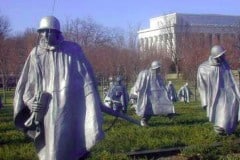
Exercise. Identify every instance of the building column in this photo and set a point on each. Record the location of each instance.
(141, 44)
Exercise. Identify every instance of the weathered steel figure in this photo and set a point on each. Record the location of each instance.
(172, 94)
(219, 92)
(184, 93)
(107, 99)
(56, 101)
(151, 93)
(117, 96)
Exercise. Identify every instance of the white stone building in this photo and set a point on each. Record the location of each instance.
(163, 30)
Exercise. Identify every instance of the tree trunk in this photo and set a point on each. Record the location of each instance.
(4, 88)
(177, 70)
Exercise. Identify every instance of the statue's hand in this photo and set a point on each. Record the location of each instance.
(36, 107)
(204, 108)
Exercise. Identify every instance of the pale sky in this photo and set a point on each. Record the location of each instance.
(24, 14)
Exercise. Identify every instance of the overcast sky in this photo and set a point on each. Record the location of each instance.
(24, 14)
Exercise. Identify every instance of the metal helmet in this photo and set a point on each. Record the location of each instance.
(155, 65)
(119, 78)
(49, 22)
(217, 51)
(110, 78)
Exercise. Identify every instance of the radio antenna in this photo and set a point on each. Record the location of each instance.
(53, 6)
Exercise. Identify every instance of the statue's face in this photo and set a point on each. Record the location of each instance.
(156, 71)
(221, 58)
(50, 36)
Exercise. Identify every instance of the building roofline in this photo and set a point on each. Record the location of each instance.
(195, 14)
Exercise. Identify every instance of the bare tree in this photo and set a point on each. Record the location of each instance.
(109, 49)
(174, 38)
(87, 33)
(99, 43)
(4, 27)
(191, 55)
(4, 50)
(22, 44)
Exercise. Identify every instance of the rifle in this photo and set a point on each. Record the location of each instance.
(40, 101)
(111, 112)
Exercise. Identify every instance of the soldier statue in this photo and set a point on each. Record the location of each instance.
(172, 94)
(118, 96)
(219, 92)
(56, 99)
(151, 93)
(184, 93)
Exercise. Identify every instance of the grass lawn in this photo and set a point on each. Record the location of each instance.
(190, 130)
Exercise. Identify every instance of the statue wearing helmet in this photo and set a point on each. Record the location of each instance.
(107, 99)
(118, 96)
(217, 51)
(49, 32)
(59, 69)
(155, 65)
(172, 94)
(119, 79)
(49, 22)
(219, 92)
(184, 93)
(151, 93)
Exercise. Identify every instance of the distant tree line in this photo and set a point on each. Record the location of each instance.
(111, 51)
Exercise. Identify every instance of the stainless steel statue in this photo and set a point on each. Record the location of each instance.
(184, 93)
(107, 99)
(56, 101)
(172, 94)
(151, 93)
(117, 96)
(219, 92)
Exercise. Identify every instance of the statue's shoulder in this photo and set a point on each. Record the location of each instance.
(72, 48)
(206, 68)
(205, 64)
(35, 50)
(71, 45)
(146, 71)
(143, 74)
